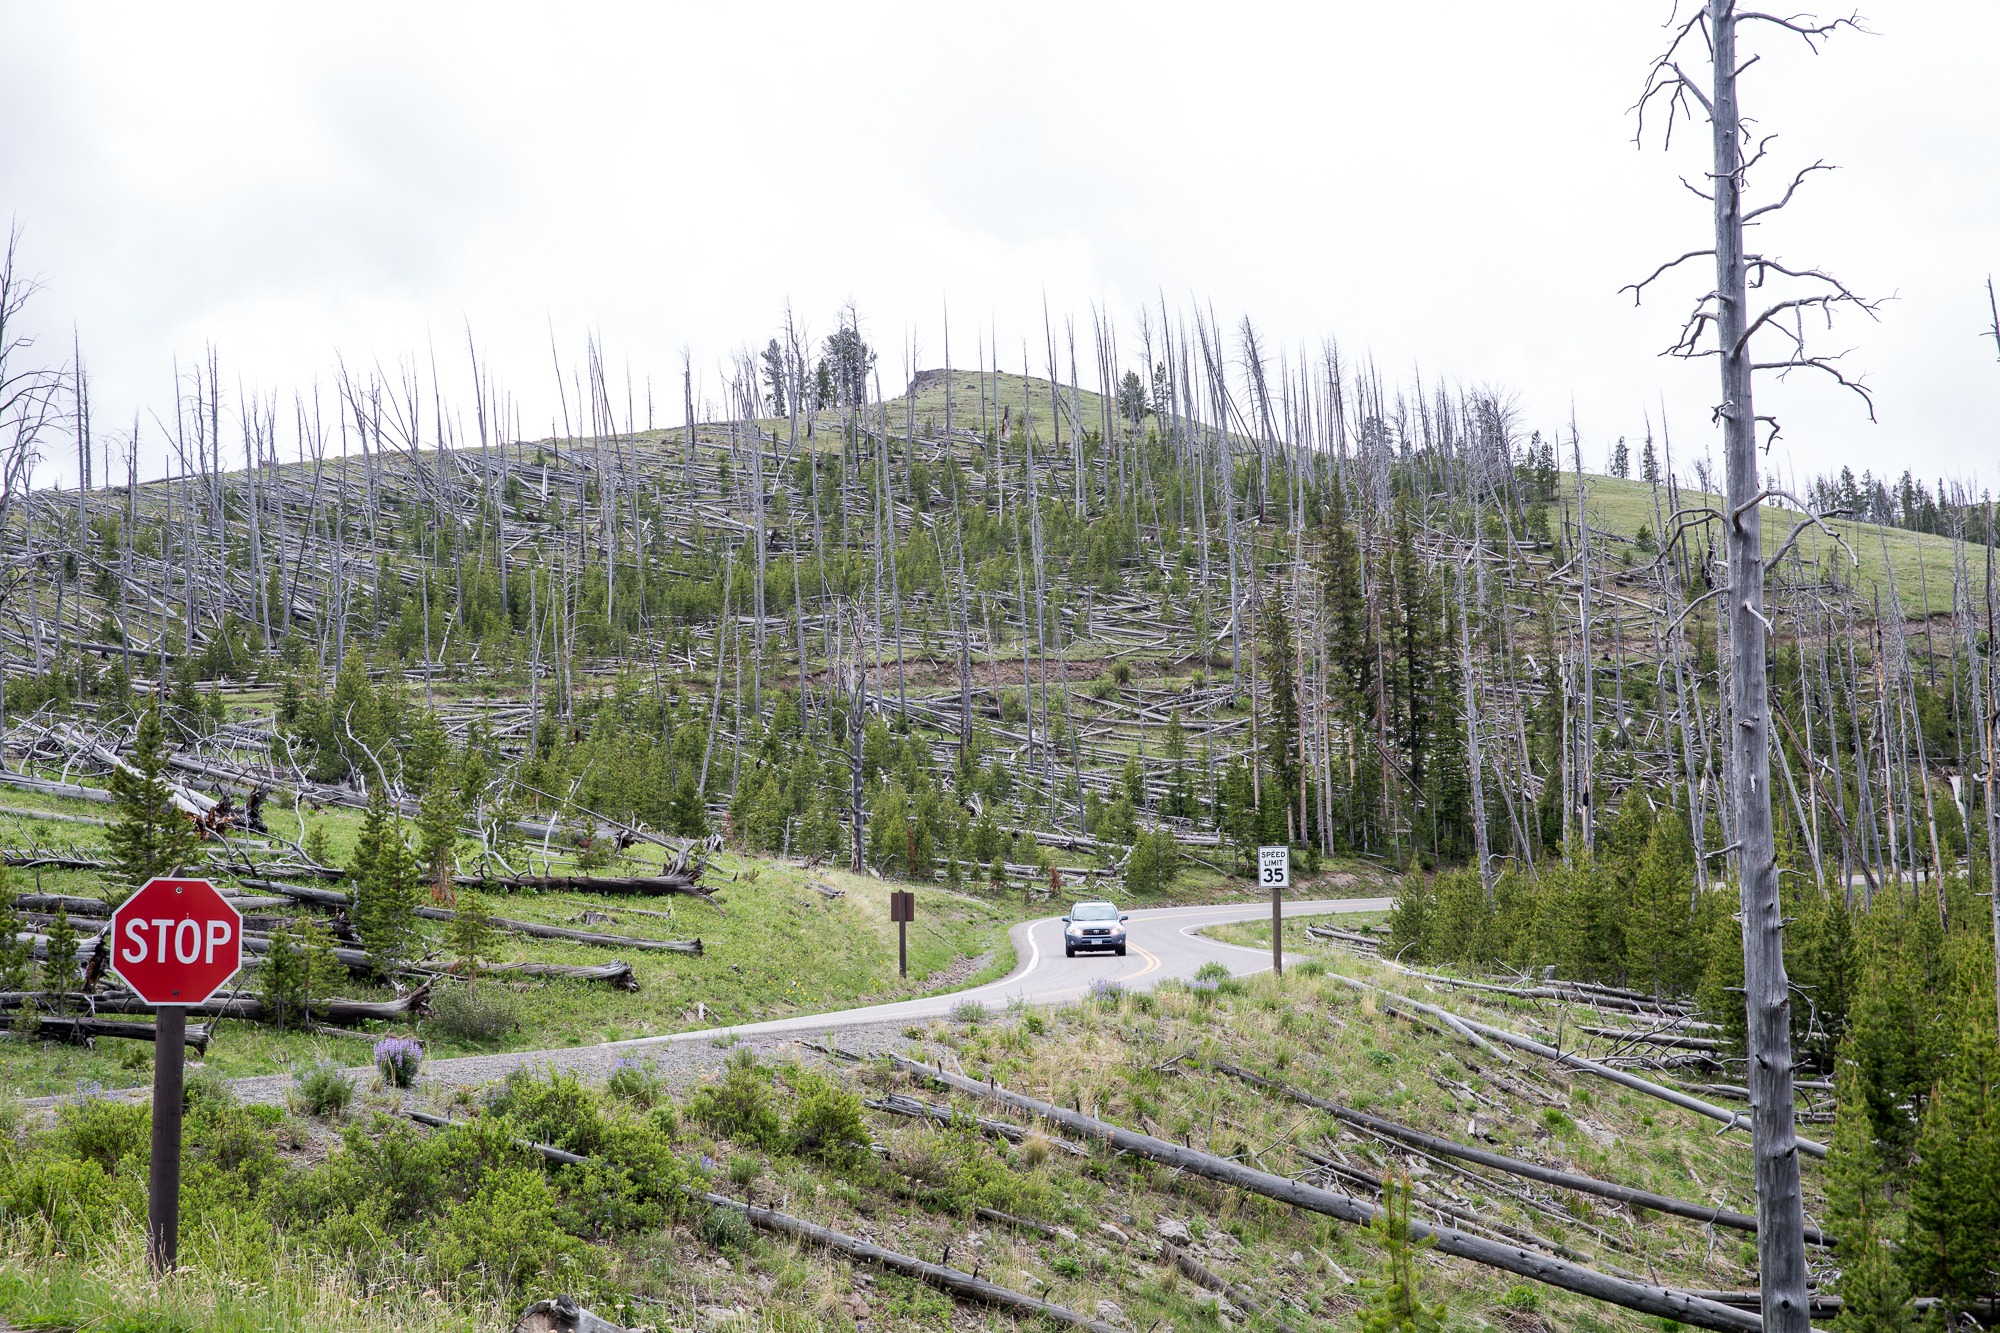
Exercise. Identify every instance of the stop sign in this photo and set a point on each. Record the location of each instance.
(176, 941)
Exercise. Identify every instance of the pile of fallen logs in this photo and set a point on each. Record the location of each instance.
(269, 904)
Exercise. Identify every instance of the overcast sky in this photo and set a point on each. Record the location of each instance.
(1446, 187)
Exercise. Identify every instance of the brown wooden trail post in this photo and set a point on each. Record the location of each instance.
(902, 911)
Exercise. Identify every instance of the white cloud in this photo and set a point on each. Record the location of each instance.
(1448, 185)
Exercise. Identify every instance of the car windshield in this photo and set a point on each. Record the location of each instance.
(1094, 912)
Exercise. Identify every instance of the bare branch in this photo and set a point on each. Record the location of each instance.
(1637, 288)
(1805, 25)
(1790, 190)
(1811, 519)
(1825, 365)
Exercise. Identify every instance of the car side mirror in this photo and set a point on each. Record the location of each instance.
(1123, 919)
(1065, 921)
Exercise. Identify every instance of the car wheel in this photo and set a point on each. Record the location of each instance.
(1121, 951)
(1068, 952)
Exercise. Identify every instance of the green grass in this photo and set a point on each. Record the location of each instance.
(776, 947)
(1126, 1060)
(1257, 934)
(1921, 565)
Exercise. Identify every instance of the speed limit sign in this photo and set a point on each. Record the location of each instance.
(1274, 867)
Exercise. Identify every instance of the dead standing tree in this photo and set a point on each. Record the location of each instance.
(1722, 324)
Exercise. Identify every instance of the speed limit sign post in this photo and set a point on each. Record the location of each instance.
(1274, 872)
(175, 942)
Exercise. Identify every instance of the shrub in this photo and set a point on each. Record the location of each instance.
(725, 1228)
(103, 1131)
(1212, 971)
(507, 1231)
(738, 1105)
(398, 1059)
(556, 1109)
(826, 1122)
(635, 1082)
(322, 1088)
(474, 1013)
(1153, 864)
(73, 1199)
(744, 1170)
(971, 1011)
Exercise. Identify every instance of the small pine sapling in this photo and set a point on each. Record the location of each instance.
(471, 933)
(1393, 1303)
(59, 971)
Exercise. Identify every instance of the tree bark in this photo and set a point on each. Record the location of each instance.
(1781, 1255)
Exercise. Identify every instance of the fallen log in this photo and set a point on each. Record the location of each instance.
(29, 859)
(538, 931)
(897, 1104)
(617, 974)
(1203, 1276)
(1042, 1229)
(238, 1005)
(75, 906)
(1344, 937)
(646, 886)
(561, 1314)
(302, 893)
(47, 787)
(1675, 1040)
(1730, 1119)
(1569, 991)
(1458, 1212)
(1582, 1184)
(75, 1029)
(334, 898)
(965, 1286)
(1664, 1302)
(56, 816)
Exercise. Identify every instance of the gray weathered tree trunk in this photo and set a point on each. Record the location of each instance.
(1781, 1256)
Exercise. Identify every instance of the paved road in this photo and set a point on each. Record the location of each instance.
(1163, 943)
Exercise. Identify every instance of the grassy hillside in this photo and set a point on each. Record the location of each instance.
(1088, 1228)
(1920, 567)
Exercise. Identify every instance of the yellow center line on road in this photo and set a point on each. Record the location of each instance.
(1152, 965)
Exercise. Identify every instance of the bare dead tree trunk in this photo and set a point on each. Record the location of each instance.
(1724, 314)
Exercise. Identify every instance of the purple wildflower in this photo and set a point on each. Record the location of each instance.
(398, 1058)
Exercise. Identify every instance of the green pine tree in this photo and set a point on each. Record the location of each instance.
(299, 972)
(59, 971)
(1953, 1246)
(385, 879)
(437, 833)
(15, 952)
(471, 933)
(150, 835)
(1874, 1290)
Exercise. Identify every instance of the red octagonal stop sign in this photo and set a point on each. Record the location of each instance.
(176, 941)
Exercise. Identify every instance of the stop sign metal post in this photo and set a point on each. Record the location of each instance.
(175, 942)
